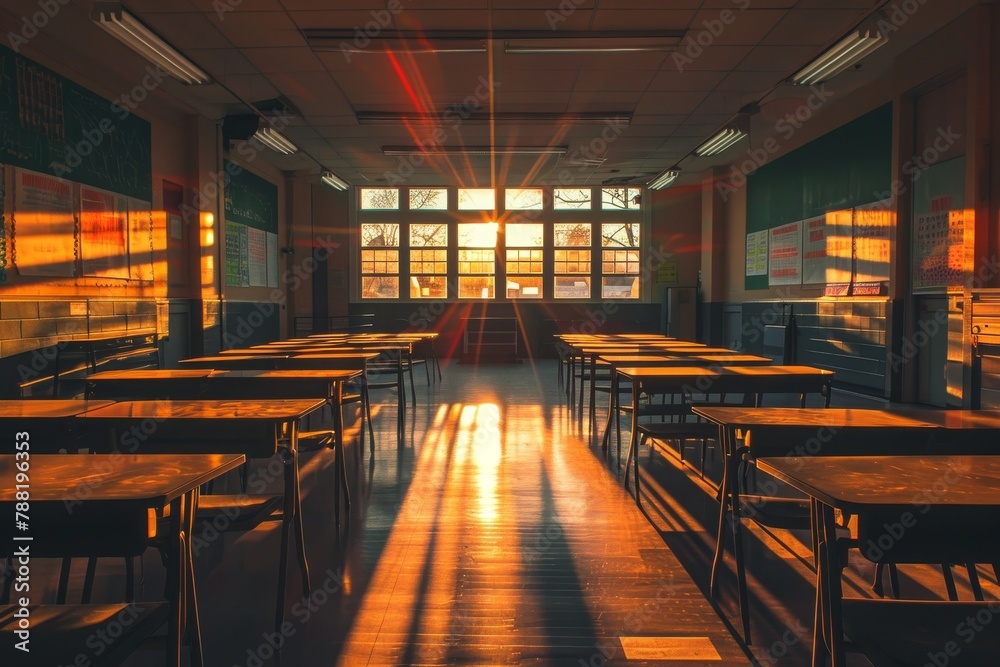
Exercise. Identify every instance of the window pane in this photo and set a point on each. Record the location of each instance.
(380, 235)
(572, 261)
(624, 235)
(520, 199)
(477, 235)
(572, 234)
(475, 261)
(379, 287)
(620, 287)
(572, 288)
(428, 199)
(476, 199)
(429, 235)
(475, 287)
(380, 198)
(524, 235)
(568, 198)
(524, 287)
(621, 198)
(428, 287)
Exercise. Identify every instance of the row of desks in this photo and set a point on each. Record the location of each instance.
(156, 446)
(884, 466)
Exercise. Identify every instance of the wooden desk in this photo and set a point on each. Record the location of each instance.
(748, 380)
(834, 432)
(44, 419)
(659, 359)
(803, 431)
(114, 497)
(956, 488)
(256, 429)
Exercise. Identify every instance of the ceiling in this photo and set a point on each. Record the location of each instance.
(257, 50)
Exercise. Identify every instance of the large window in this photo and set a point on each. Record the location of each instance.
(477, 260)
(380, 261)
(511, 244)
(571, 266)
(525, 243)
(429, 261)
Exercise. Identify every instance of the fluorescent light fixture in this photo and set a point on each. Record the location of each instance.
(664, 179)
(340, 40)
(842, 55)
(453, 114)
(595, 44)
(125, 27)
(473, 150)
(334, 181)
(720, 141)
(388, 46)
(274, 140)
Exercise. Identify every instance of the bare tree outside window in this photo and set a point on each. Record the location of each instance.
(623, 235)
(621, 198)
(383, 235)
(430, 199)
(571, 198)
(380, 198)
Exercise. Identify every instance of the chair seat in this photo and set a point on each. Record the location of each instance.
(775, 511)
(679, 430)
(893, 633)
(60, 634)
(313, 441)
(238, 512)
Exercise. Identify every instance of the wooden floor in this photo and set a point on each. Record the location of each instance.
(498, 533)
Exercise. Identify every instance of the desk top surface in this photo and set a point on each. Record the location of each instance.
(150, 479)
(695, 372)
(275, 410)
(745, 417)
(328, 374)
(749, 417)
(682, 360)
(152, 374)
(855, 483)
(41, 408)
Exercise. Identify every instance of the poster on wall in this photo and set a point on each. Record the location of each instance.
(103, 233)
(827, 248)
(43, 218)
(272, 259)
(244, 240)
(785, 255)
(872, 224)
(232, 254)
(815, 258)
(257, 254)
(939, 229)
(757, 253)
(140, 240)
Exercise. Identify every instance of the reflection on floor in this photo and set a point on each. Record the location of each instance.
(497, 532)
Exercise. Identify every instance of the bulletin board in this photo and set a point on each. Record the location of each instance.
(939, 230)
(848, 167)
(51, 125)
(251, 211)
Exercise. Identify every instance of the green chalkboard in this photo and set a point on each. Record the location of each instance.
(847, 167)
(54, 126)
(250, 200)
